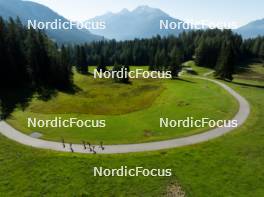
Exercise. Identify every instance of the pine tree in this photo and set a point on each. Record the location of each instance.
(200, 53)
(225, 65)
(256, 46)
(101, 68)
(261, 50)
(3, 54)
(67, 67)
(32, 57)
(82, 64)
(176, 59)
(124, 70)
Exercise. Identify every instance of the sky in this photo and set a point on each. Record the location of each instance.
(239, 12)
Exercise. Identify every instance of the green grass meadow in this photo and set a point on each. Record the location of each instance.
(231, 165)
(228, 166)
(132, 111)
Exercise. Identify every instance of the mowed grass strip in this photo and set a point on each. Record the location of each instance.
(196, 69)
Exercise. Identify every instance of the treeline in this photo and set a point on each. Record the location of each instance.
(218, 49)
(254, 48)
(158, 53)
(29, 59)
(29, 63)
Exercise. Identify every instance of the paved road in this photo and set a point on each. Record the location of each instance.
(241, 116)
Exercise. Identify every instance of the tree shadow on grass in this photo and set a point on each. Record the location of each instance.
(47, 93)
(86, 73)
(73, 89)
(181, 79)
(248, 85)
(12, 98)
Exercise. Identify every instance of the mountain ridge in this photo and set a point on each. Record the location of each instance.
(27, 10)
(252, 29)
(141, 22)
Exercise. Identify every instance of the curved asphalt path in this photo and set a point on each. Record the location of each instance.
(241, 116)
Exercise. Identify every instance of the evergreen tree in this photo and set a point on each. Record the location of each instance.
(200, 54)
(176, 59)
(101, 68)
(261, 50)
(3, 54)
(125, 70)
(81, 56)
(66, 67)
(256, 46)
(29, 61)
(225, 65)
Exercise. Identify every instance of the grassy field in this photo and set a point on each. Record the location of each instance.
(228, 166)
(253, 71)
(131, 112)
(196, 69)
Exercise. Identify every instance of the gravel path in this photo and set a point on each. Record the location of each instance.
(241, 116)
